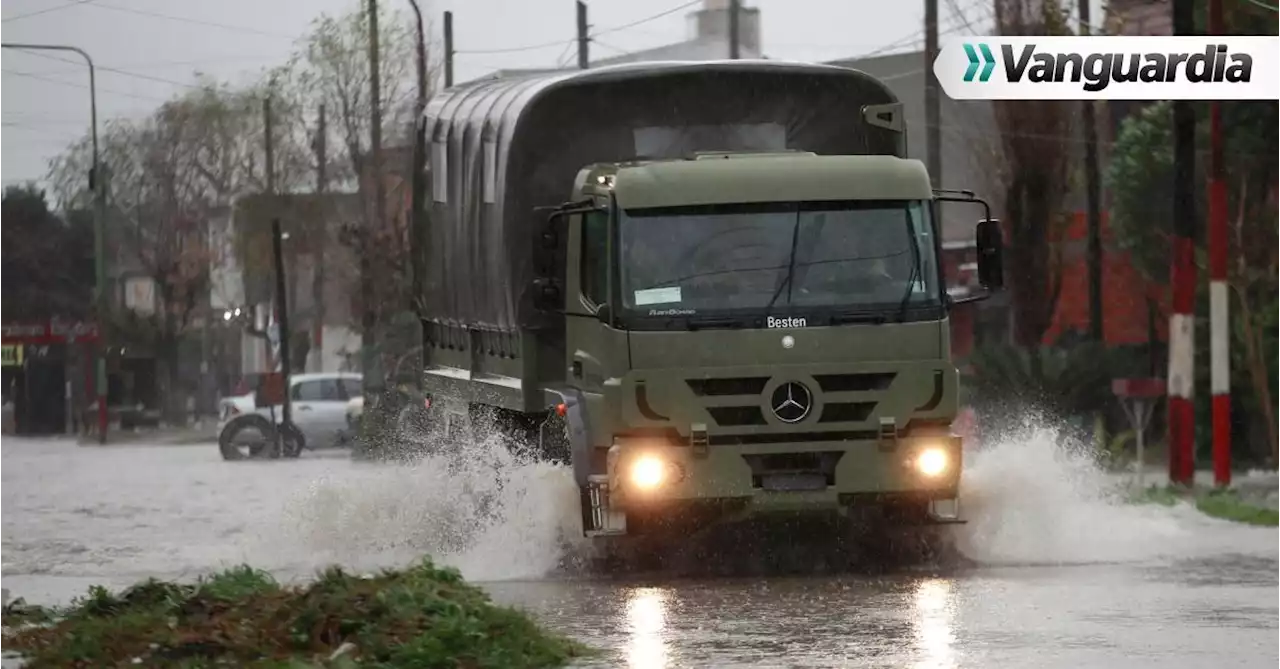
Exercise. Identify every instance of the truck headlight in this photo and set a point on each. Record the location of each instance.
(648, 472)
(932, 462)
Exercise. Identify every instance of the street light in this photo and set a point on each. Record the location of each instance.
(417, 220)
(96, 179)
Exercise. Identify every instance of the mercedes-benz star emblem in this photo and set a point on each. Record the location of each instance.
(791, 402)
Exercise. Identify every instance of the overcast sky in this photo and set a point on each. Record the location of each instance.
(147, 49)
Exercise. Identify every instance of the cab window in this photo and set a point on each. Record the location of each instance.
(595, 249)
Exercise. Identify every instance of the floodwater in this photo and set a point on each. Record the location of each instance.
(1064, 575)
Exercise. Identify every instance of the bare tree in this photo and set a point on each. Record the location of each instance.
(332, 68)
(1036, 147)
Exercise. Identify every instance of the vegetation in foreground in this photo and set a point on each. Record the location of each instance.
(418, 617)
(1224, 504)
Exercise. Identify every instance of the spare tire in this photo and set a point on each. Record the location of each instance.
(229, 445)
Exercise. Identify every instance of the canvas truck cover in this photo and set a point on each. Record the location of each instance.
(501, 147)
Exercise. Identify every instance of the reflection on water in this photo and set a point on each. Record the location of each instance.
(646, 627)
(933, 619)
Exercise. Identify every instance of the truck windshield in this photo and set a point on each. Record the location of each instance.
(861, 256)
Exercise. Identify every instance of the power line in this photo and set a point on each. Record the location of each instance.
(654, 17)
(1259, 3)
(105, 68)
(72, 84)
(515, 49)
(606, 45)
(916, 36)
(46, 10)
(183, 19)
(547, 45)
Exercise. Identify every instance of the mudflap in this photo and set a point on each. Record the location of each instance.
(599, 518)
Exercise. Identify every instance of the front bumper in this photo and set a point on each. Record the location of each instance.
(660, 478)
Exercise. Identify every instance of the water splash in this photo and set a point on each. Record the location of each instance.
(476, 505)
(1036, 495)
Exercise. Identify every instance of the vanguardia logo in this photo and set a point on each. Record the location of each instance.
(1110, 67)
(1098, 70)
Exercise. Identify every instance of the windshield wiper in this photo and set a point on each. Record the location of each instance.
(860, 317)
(712, 322)
(791, 266)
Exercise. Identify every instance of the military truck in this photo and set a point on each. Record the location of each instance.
(714, 289)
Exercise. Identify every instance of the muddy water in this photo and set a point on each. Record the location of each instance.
(1065, 575)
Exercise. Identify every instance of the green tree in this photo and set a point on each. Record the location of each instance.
(47, 260)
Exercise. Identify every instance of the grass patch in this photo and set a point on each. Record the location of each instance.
(418, 617)
(1227, 505)
(1155, 494)
(1224, 504)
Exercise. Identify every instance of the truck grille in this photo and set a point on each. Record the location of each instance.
(729, 386)
(751, 412)
(854, 383)
(846, 412)
(737, 416)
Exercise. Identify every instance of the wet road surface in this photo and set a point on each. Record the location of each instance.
(1144, 587)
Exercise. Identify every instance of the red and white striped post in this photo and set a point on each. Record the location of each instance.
(1181, 379)
(1219, 305)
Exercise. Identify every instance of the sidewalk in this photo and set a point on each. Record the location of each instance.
(162, 436)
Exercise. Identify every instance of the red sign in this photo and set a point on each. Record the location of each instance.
(54, 332)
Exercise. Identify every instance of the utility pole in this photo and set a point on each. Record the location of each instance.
(1093, 202)
(735, 7)
(318, 278)
(97, 186)
(1219, 300)
(448, 49)
(933, 133)
(1181, 381)
(277, 257)
(282, 316)
(418, 234)
(583, 39)
(269, 158)
(373, 381)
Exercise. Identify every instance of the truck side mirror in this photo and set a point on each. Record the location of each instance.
(990, 243)
(547, 295)
(547, 246)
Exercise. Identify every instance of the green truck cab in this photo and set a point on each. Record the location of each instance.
(714, 289)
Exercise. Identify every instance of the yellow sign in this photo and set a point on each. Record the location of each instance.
(12, 355)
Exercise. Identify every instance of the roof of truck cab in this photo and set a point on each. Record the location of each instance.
(771, 178)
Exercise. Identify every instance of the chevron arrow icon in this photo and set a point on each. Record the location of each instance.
(988, 62)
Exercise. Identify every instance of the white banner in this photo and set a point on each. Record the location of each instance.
(1110, 68)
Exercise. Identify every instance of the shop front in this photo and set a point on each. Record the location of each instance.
(46, 373)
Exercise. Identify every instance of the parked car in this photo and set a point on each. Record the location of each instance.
(319, 403)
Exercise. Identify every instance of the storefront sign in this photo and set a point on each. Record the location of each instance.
(53, 332)
(11, 355)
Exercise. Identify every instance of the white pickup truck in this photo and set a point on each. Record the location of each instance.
(319, 402)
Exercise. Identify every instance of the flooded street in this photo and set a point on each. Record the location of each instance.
(1066, 576)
